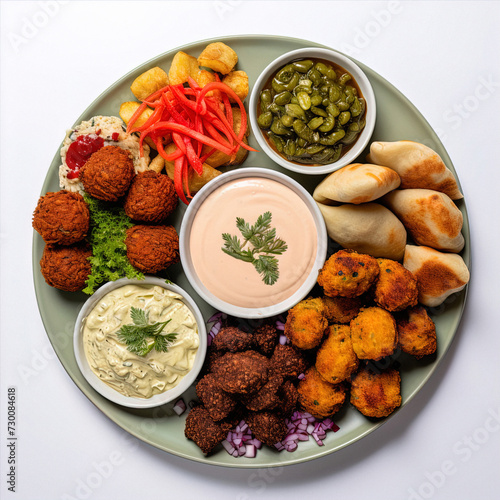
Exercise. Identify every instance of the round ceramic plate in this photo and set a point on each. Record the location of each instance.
(397, 119)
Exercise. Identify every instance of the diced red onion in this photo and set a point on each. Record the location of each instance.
(283, 339)
(179, 407)
(280, 326)
(250, 451)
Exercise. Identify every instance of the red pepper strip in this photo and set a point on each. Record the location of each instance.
(215, 135)
(229, 111)
(175, 127)
(193, 83)
(187, 103)
(192, 157)
(204, 158)
(138, 112)
(178, 166)
(174, 113)
(179, 142)
(155, 116)
(157, 94)
(168, 157)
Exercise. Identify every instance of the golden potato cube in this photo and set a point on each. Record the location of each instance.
(238, 82)
(157, 164)
(183, 66)
(148, 82)
(127, 109)
(219, 57)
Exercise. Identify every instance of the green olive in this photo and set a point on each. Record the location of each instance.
(283, 98)
(303, 66)
(265, 119)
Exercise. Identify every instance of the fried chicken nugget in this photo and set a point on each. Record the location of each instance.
(376, 395)
(348, 274)
(320, 398)
(336, 359)
(341, 309)
(396, 287)
(306, 323)
(373, 333)
(417, 332)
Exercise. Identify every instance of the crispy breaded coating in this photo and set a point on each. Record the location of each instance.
(289, 397)
(306, 323)
(373, 333)
(242, 372)
(336, 359)
(267, 397)
(320, 398)
(201, 428)
(287, 361)
(218, 403)
(348, 274)
(376, 395)
(341, 309)
(265, 339)
(416, 332)
(267, 427)
(232, 339)
(396, 287)
(62, 217)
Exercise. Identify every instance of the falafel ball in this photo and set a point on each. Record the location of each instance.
(416, 332)
(62, 217)
(152, 248)
(318, 397)
(232, 339)
(66, 267)
(348, 274)
(287, 361)
(266, 398)
(265, 338)
(108, 173)
(396, 287)
(306, 323)
(267, 427)
(203, 430)
(336, 359)
(151, 197)
(242, 372)
(341, 309)
(376, 394)
(373, 333)
(218, 403)
(289, 396)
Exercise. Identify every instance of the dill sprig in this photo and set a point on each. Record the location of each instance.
(108, 223)
(263, 246)
(141, 337)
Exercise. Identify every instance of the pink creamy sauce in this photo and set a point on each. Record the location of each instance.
(238, 282)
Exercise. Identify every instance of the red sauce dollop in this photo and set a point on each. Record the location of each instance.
(80, 151)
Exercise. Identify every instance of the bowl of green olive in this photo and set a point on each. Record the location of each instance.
(312, 110)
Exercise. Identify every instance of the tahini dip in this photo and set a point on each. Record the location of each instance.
(235, 281)
(128, 373)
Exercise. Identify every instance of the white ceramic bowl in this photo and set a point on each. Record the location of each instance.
(107, 391)
(187, 261)
(361, 80)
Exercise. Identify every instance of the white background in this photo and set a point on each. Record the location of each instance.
(442, 55)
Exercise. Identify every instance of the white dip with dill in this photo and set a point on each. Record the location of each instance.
(128, 373)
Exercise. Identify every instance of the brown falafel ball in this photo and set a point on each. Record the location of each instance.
(373, 333)
(267, 427)
(62, 217)
(306, 323)
(66, 267)
(266, 398)
(203, 430)
(108, 173)
(232, 339)
(265, 338)
(320, 398)
(218, 403)
(289, 397)
(396, 287)
(348, 274)
(416, 332)
(152, 248)
(376, 394)
(287, 361)
(151, 197)
(336, 359)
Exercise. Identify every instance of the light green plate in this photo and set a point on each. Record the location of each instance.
(397, 119)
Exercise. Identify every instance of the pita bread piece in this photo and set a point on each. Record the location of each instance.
(418, 166)
(438, 274)
(368, 228)
(431, 217)
(356, 183)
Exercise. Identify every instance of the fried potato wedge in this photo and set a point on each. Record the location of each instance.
(219, 57)
(157, 164)
(148, 82)
(238, 82)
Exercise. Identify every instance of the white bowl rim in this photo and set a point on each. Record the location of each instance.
(361, 79)
(107, 391)
(243, 312)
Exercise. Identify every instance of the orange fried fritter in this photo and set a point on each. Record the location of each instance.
(341, 309)
(376, 395)
(318, 397)
(417, 332)
(306, 323)
(396, 287)
(348, 274)
(336, 359)
(373, 333)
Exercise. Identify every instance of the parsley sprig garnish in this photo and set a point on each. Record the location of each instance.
(263, 246)
(142, 337)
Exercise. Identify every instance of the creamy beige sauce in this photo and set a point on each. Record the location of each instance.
(237, 282)
(129, 373)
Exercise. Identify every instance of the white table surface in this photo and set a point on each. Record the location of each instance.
(56, 57)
